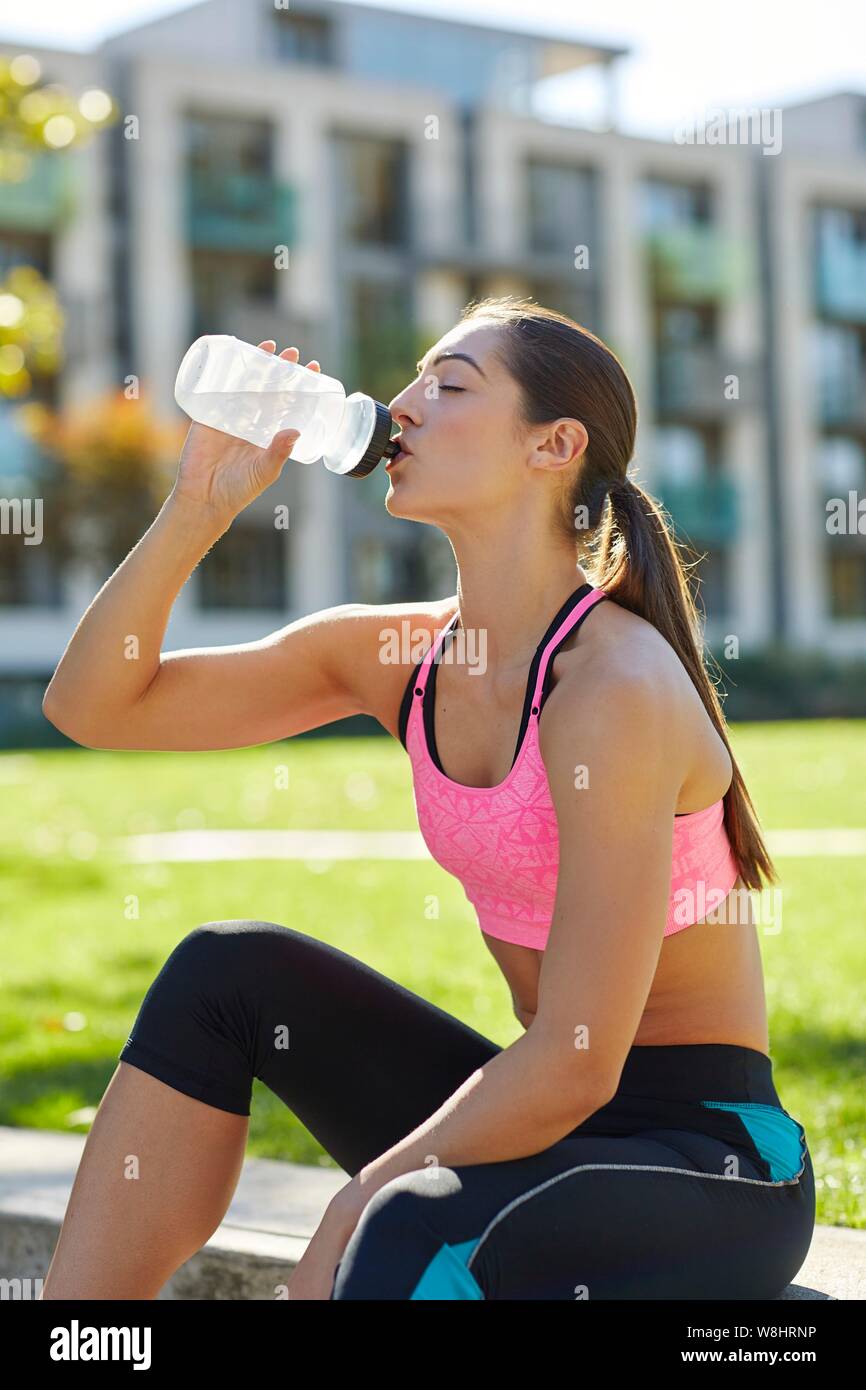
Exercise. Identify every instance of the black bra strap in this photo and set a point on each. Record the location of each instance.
(556, 622)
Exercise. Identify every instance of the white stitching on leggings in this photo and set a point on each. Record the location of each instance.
(629, 1168)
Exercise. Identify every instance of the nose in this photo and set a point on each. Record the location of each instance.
(401, 404)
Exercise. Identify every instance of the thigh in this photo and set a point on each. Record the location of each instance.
(596, 1217)
(357, 1057)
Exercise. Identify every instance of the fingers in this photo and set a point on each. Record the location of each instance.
(269, 345)
(293, 353)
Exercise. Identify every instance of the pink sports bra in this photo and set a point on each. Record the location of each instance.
(501, 842)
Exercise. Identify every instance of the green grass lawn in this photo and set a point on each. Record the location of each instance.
(75, 964)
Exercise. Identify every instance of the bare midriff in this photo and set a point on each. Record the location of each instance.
(708, 986)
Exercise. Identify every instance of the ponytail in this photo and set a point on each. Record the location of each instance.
(638, 565)
(563, 369)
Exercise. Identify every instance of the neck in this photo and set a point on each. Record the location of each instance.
(512, 607)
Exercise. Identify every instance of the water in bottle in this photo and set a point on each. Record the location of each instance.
(252, 394)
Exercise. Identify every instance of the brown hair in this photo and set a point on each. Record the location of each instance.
(562, 369)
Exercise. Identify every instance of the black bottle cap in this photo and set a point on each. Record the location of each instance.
(380, 445)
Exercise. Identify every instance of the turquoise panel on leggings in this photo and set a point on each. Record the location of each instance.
(446, 1276)
(777, 1137)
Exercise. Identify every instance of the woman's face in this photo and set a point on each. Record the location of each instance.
(460, 422)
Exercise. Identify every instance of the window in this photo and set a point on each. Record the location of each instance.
(665, 205)
(711, 580)
(846, 576)
(419, 570)
(220, 144)
(375, 571)
(685, 326)
(24, 248)
(224, 283)
(372, 190)
(839, 365)
(439, 569)
(562, 210)
(245, 569)
(304, 38)
(683, 455)
(382, 342)
(29, 575)
(689, 369)
(841, 466)
(834, 225)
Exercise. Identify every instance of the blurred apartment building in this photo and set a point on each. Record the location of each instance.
(401, 161)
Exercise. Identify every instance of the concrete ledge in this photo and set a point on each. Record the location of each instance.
(275, 1210)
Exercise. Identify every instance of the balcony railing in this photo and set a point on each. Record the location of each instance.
(236, 211)
(696, 383)
(44, 199)
(841, 280)
(706, 510)
(695, 262)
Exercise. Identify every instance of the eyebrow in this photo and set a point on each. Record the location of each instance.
(463, 356)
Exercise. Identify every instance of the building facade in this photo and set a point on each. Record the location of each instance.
(346, 178)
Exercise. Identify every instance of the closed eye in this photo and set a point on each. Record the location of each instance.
(441, 388)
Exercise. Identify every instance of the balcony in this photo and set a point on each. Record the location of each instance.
(237, 211)
(841, 279)
(706, 510)
(46, 198)
(695, 262)
(842, 402)
(691, 383)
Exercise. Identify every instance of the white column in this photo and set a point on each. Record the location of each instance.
(746, 444)
(302, 158)
(624, 289)
(439, 300)
(83, 275)
(801, 518)
(161, 287)
(436, 179)
(498, 165)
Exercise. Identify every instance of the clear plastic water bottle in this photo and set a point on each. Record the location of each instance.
(250, 393)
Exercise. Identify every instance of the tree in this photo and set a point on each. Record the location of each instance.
(113, 463)
(38, 122)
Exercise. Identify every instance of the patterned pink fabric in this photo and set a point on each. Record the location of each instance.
(502, 843)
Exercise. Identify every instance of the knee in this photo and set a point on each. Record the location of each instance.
(399, 1204)
(221, 950)
(396, 1237)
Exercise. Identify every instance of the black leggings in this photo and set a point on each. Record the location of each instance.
(692, 1183)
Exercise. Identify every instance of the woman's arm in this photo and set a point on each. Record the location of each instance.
(615, 863)
(114, 688)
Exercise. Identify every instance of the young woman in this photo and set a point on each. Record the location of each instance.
(631, 1143)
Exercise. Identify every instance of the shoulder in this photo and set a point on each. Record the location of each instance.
(619, 650)
(391, 639)
(620, 688)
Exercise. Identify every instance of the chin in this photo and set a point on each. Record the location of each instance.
(392, 502)
(399, 505)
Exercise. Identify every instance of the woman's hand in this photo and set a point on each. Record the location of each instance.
(313, 1275)
(225, 474)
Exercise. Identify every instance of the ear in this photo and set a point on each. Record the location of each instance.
(563, 444)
